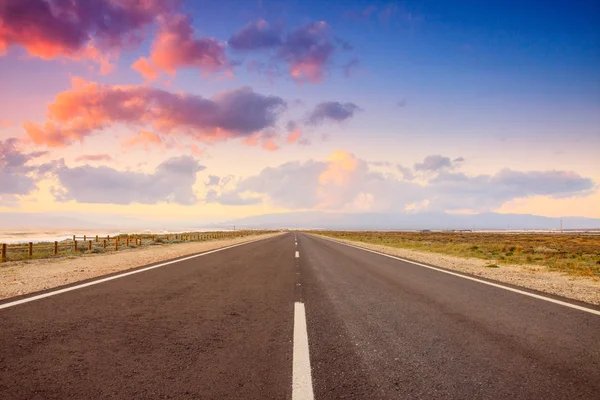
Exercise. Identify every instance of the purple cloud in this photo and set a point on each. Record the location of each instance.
(257, 35)
(77, 29)
(307, 50)
(332, 110)
(90, 107)
(433, 163)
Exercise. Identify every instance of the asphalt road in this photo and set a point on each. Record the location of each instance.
(272, 319)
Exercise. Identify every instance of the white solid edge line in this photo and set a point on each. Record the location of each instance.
(297, 254)
(301, 373)
(536, 296)
(110, 278)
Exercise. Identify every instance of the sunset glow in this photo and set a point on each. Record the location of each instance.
(215, 110)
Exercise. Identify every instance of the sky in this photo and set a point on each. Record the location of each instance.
(169, 110)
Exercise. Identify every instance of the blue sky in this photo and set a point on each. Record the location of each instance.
(507, 85)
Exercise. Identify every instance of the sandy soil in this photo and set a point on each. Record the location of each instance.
(529, 276)
(22, 277)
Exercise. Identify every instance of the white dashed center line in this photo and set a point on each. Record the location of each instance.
(301, 374)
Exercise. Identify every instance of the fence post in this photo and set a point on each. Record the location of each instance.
(30, 249)
(3, 258)
(96, 238)
(74, 238)
(107, 237)
(84, 238)
(104, 244)
(127, 241)
(167, 237)
(75, 246)
(90, 245)
(55, 248)
(117, 244)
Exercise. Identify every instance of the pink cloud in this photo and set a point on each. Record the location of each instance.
(144, 139)
(5, 124)
(77, 29)
(93, 157)
(90, 107)
(267, 140)
(308, 51)
(269, 144)
(293, 136)
(196, 150)
(176, 47)
(143, 66)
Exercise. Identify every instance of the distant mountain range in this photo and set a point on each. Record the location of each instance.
(16, 220)
(362, 221)
(304, 220)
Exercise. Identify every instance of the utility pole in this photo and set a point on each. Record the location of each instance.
(561, 228)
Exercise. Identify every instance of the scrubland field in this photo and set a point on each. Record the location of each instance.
(574, 254)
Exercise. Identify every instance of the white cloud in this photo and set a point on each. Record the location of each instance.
(172, 182)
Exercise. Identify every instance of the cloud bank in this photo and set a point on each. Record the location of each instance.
(345, 182)
(171, 182)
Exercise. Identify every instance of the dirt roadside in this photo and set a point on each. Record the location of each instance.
(22, 277)
(528, 276)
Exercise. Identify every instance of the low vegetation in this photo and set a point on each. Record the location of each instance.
(94, 245)
(575, 254)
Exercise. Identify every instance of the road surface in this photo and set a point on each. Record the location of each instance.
(302, 318)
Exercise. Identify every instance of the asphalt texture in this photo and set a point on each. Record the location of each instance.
(221, 326)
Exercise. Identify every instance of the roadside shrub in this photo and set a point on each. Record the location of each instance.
(545, 250)
(95, 250)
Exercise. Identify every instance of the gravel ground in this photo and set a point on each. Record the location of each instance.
(22, 277)
(529, 276)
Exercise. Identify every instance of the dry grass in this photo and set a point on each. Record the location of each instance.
(42, 250)
(574, 254)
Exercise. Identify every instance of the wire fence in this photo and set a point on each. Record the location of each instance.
(86, 244)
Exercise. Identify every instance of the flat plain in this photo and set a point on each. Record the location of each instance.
(573, 254)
